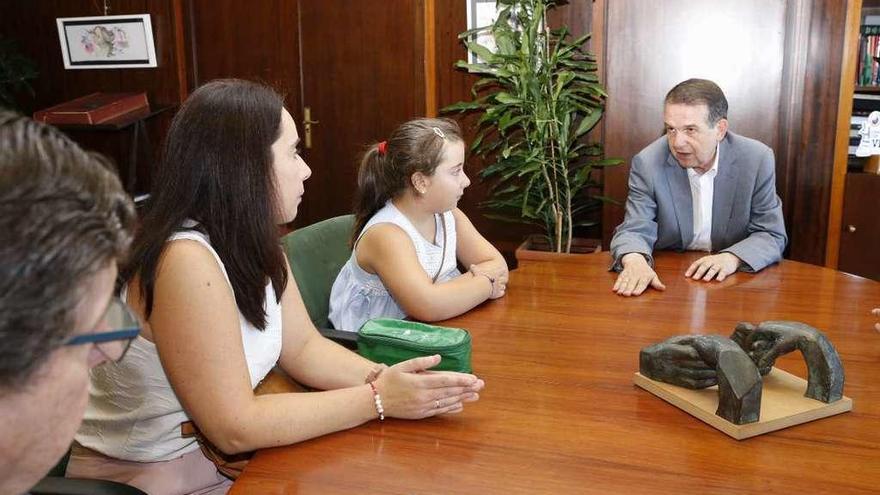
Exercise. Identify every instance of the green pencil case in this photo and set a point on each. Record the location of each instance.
(390, 341)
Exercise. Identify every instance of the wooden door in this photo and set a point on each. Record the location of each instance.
(362, 74)
(357, 65)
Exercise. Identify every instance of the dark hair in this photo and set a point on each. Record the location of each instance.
(217, 169)
(64, 217)
(700, 92)
(413, 147)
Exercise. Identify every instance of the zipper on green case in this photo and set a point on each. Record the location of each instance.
(410, 345)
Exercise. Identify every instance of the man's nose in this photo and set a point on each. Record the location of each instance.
(679, 139)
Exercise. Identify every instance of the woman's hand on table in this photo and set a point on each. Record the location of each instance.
(410, 391)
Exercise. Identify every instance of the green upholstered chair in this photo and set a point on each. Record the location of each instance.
(316, 254)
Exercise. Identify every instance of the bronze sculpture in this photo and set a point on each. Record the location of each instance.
(736, 364)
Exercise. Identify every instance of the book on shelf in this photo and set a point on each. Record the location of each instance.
(868, 70)
(96, 108)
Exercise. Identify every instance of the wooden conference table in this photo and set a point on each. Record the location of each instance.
(560, 413)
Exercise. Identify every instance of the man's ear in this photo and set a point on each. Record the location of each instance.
(721, 129)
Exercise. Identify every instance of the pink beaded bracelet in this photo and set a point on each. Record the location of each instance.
(378, 400)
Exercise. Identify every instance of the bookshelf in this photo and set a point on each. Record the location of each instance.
(866, 93)
(853, 243)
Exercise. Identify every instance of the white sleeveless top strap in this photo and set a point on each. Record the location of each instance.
(358, 296)
(133, 413)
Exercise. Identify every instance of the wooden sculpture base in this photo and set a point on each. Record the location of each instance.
(782, 404)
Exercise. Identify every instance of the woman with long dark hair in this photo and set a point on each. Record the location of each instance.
(221, 308)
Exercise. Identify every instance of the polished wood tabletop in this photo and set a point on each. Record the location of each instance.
(560, 413)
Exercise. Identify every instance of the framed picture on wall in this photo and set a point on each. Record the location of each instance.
(107, 42)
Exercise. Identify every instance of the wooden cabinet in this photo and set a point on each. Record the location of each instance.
(852, 235)
(860, 238)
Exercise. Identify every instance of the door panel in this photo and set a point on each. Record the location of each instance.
(362, 76)
(860, 239)
(358, 65)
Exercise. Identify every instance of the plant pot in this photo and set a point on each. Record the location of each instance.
(536, 248)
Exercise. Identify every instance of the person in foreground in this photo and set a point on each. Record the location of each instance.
(409, 236)
(65, 224)
(221, 308)
(699, 188)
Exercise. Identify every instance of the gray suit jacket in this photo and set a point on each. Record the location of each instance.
(746, 211)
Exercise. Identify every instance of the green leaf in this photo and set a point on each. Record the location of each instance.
(471, 32)
(462, 106)
(587, 123)
(516, 120)
(481, 51)
(477, 68)
(506, 98)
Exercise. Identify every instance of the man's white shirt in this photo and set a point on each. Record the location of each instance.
(702, 193)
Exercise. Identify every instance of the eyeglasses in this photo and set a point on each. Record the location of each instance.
(115, 332)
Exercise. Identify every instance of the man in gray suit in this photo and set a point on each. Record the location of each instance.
(699, 188)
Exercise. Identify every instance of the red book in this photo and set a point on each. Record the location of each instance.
(95, 108)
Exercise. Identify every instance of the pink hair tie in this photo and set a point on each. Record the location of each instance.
(383, 147)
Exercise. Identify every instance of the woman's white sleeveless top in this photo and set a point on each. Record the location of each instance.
(133, 413)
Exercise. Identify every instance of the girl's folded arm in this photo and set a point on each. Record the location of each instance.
(386, 250)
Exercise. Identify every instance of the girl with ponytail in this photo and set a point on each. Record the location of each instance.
(409, 237)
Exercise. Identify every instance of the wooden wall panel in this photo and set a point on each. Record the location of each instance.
(249, 40)
(849, 64)
(810, 164)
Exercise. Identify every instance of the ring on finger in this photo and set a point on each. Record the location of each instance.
(437, 404)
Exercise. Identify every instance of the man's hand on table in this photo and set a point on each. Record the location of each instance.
(715, 266)
(636, 276)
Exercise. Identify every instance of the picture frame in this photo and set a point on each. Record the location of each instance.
(107, 42)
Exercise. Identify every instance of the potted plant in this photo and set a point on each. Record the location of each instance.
(15, 72)
(538, 98)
